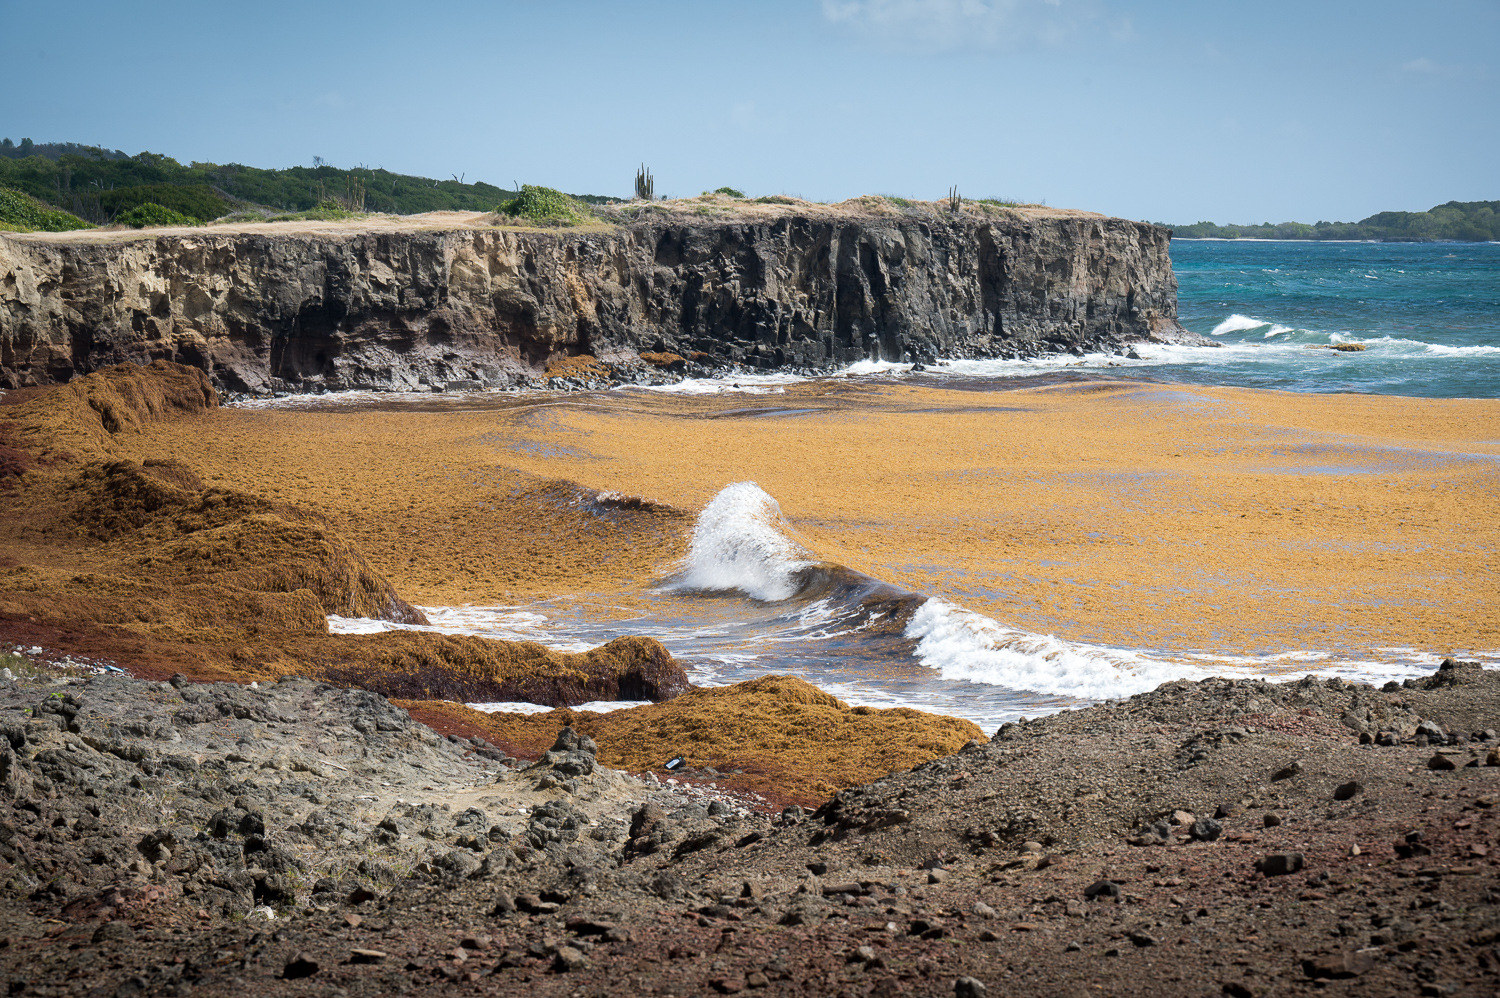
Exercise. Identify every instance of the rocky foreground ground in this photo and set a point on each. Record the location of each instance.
(295, 838)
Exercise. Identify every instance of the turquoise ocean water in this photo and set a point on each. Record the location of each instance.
(1427, 313)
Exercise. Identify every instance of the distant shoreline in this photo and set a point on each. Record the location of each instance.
(1263, 239)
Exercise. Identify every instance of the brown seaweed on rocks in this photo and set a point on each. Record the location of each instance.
(785, 737)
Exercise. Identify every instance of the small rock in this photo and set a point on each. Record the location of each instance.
(1031, 847)
(352, 920)
(1102, 888)
(1205, 830)
(1287, 772)
(1270, 819)
(1388, 739)
(366, 956)
(1354, 850)
(983, 910)
(1142, 939)
(178, 680)
(298, 967)
(936, 876)
(1279, 864)
(755, 979)
(568, 959)
(1073, 948)
(1333, 966)
(793, 815)
(1344, 791)
(1182, 818)
(862, 955)
(1442, 763)
(1435, 734)
(1228, 811)
(727, 985)
(114, 932)
(968, 987)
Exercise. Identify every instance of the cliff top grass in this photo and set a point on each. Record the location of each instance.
(540, 213)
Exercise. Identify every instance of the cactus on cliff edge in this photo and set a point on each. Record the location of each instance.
(645, 186)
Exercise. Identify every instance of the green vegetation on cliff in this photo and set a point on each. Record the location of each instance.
(99, 184)
(543, 205)
(153, 216)
(1460, 221)
(21, 212)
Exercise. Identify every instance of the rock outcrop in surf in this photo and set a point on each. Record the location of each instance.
(800, 286)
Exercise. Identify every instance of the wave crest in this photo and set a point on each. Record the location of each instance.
(963, 645)
(740, 543)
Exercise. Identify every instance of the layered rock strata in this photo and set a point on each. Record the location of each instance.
(403, 306)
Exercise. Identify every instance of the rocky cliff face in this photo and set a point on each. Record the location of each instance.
(403, 305)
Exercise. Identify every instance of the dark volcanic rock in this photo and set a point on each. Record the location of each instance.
(807, 287)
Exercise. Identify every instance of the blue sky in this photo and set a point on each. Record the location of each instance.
(1244, 112)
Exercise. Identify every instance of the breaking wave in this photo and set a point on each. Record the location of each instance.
(1243, 323)
(963, 645)
(740, 543)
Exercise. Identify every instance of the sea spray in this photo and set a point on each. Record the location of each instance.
(1243, 323)
(740, 543)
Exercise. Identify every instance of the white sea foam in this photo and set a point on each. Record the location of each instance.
(747, 384)
(1418, 347)
(522, 707)
(740, 543)
(499, 622)
(862, 367)
(963, 645)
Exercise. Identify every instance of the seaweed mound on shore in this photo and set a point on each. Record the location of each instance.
(787, 738)
(424, 666)
(80, 419)
(135, 558)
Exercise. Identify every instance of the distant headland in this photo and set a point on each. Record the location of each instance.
(1455, 221)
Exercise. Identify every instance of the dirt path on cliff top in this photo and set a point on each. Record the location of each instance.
(1127, 514)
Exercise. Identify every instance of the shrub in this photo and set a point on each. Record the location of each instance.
(730, 191)
(898, 202)
(542, 205)
(192, 200)
(23, 213)
(150, 215)
(775, 199)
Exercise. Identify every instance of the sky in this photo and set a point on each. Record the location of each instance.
(1177, 112)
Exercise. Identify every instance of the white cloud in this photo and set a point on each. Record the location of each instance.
(936, 25)
(1422, 66)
